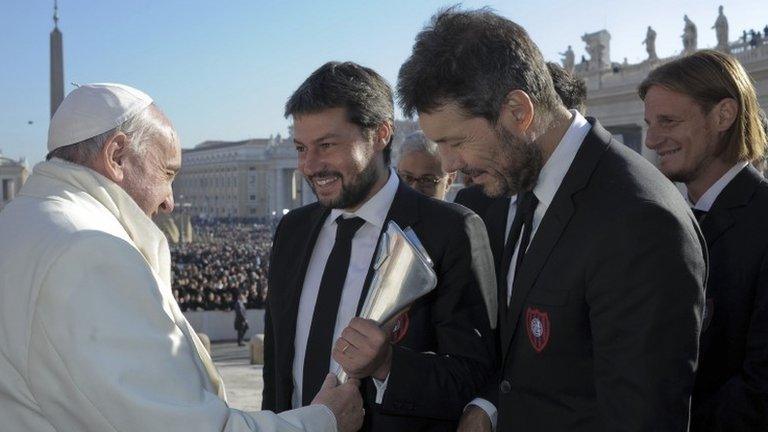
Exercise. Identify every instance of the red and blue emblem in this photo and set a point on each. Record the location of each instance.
(537, 326)
(401, 328)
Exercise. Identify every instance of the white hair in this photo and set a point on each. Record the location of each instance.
(140, 129)
(418, 142)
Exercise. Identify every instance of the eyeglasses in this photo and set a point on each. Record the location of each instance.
(426, 180)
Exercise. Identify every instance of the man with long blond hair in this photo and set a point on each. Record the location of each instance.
(704, 123)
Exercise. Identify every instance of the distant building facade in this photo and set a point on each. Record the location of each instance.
(254, 178)
(13, 174)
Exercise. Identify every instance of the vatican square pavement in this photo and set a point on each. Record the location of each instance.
(242, 380)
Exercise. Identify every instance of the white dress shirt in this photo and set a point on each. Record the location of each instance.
(374, 212)
(708, 198)
(550, 178)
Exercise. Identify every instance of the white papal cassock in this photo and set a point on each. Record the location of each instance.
(91, 338)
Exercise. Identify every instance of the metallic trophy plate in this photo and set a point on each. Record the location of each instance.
(403, 274)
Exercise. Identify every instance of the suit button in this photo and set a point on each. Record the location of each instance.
(505, 387)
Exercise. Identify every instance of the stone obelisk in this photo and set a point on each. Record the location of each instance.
(57, 62)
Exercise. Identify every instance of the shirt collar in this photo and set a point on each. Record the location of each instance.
(57, 176)
(375, 210)
(708, 199)
(554, 170)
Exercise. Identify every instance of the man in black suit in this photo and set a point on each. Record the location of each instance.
(602, 274)
(703, 122)
(419, 374)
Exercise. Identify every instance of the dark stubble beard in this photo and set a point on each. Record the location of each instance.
(523, 161)
(352, 192)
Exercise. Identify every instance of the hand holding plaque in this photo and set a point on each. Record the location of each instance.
(364, 350)
(403, 274)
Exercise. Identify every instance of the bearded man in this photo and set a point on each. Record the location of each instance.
(420, 375)
(600, 262)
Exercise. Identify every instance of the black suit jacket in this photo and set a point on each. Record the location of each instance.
(602, 330)
(473, 198)
(731, 392)
(447, 353)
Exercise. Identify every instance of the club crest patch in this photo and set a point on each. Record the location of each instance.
(537, 325)
(401, 328)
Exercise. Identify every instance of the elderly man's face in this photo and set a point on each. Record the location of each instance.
(149, 176)
(424, 172)
(495, 159)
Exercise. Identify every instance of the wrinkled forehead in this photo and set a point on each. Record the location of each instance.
(160, 122)
(662, 100)
(166, 149)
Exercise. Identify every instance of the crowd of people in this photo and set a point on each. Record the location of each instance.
(754, 38)
(226, 259)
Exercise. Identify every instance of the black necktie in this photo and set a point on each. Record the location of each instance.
(318, 354)
(699, 214)
(523, 221)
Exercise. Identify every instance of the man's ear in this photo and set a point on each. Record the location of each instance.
(383, 135)
(516, 114)
(113, 156)
(725, 113)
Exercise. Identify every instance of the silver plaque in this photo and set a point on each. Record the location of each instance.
(402, 274)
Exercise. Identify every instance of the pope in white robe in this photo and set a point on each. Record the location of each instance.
(91, 338)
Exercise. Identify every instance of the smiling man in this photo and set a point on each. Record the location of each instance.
(601, 266)
(419, 374)
(704, 123)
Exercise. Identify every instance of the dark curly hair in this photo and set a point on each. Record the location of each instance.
(366, 96)
(474, 58)
(571, 89)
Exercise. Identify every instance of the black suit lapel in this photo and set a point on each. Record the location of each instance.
(552, 225)
(289, 303)
(496, 225)
(726, 208)
(305, 249)
(403, 211)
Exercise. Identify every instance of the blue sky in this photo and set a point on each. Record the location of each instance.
(223, 69)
